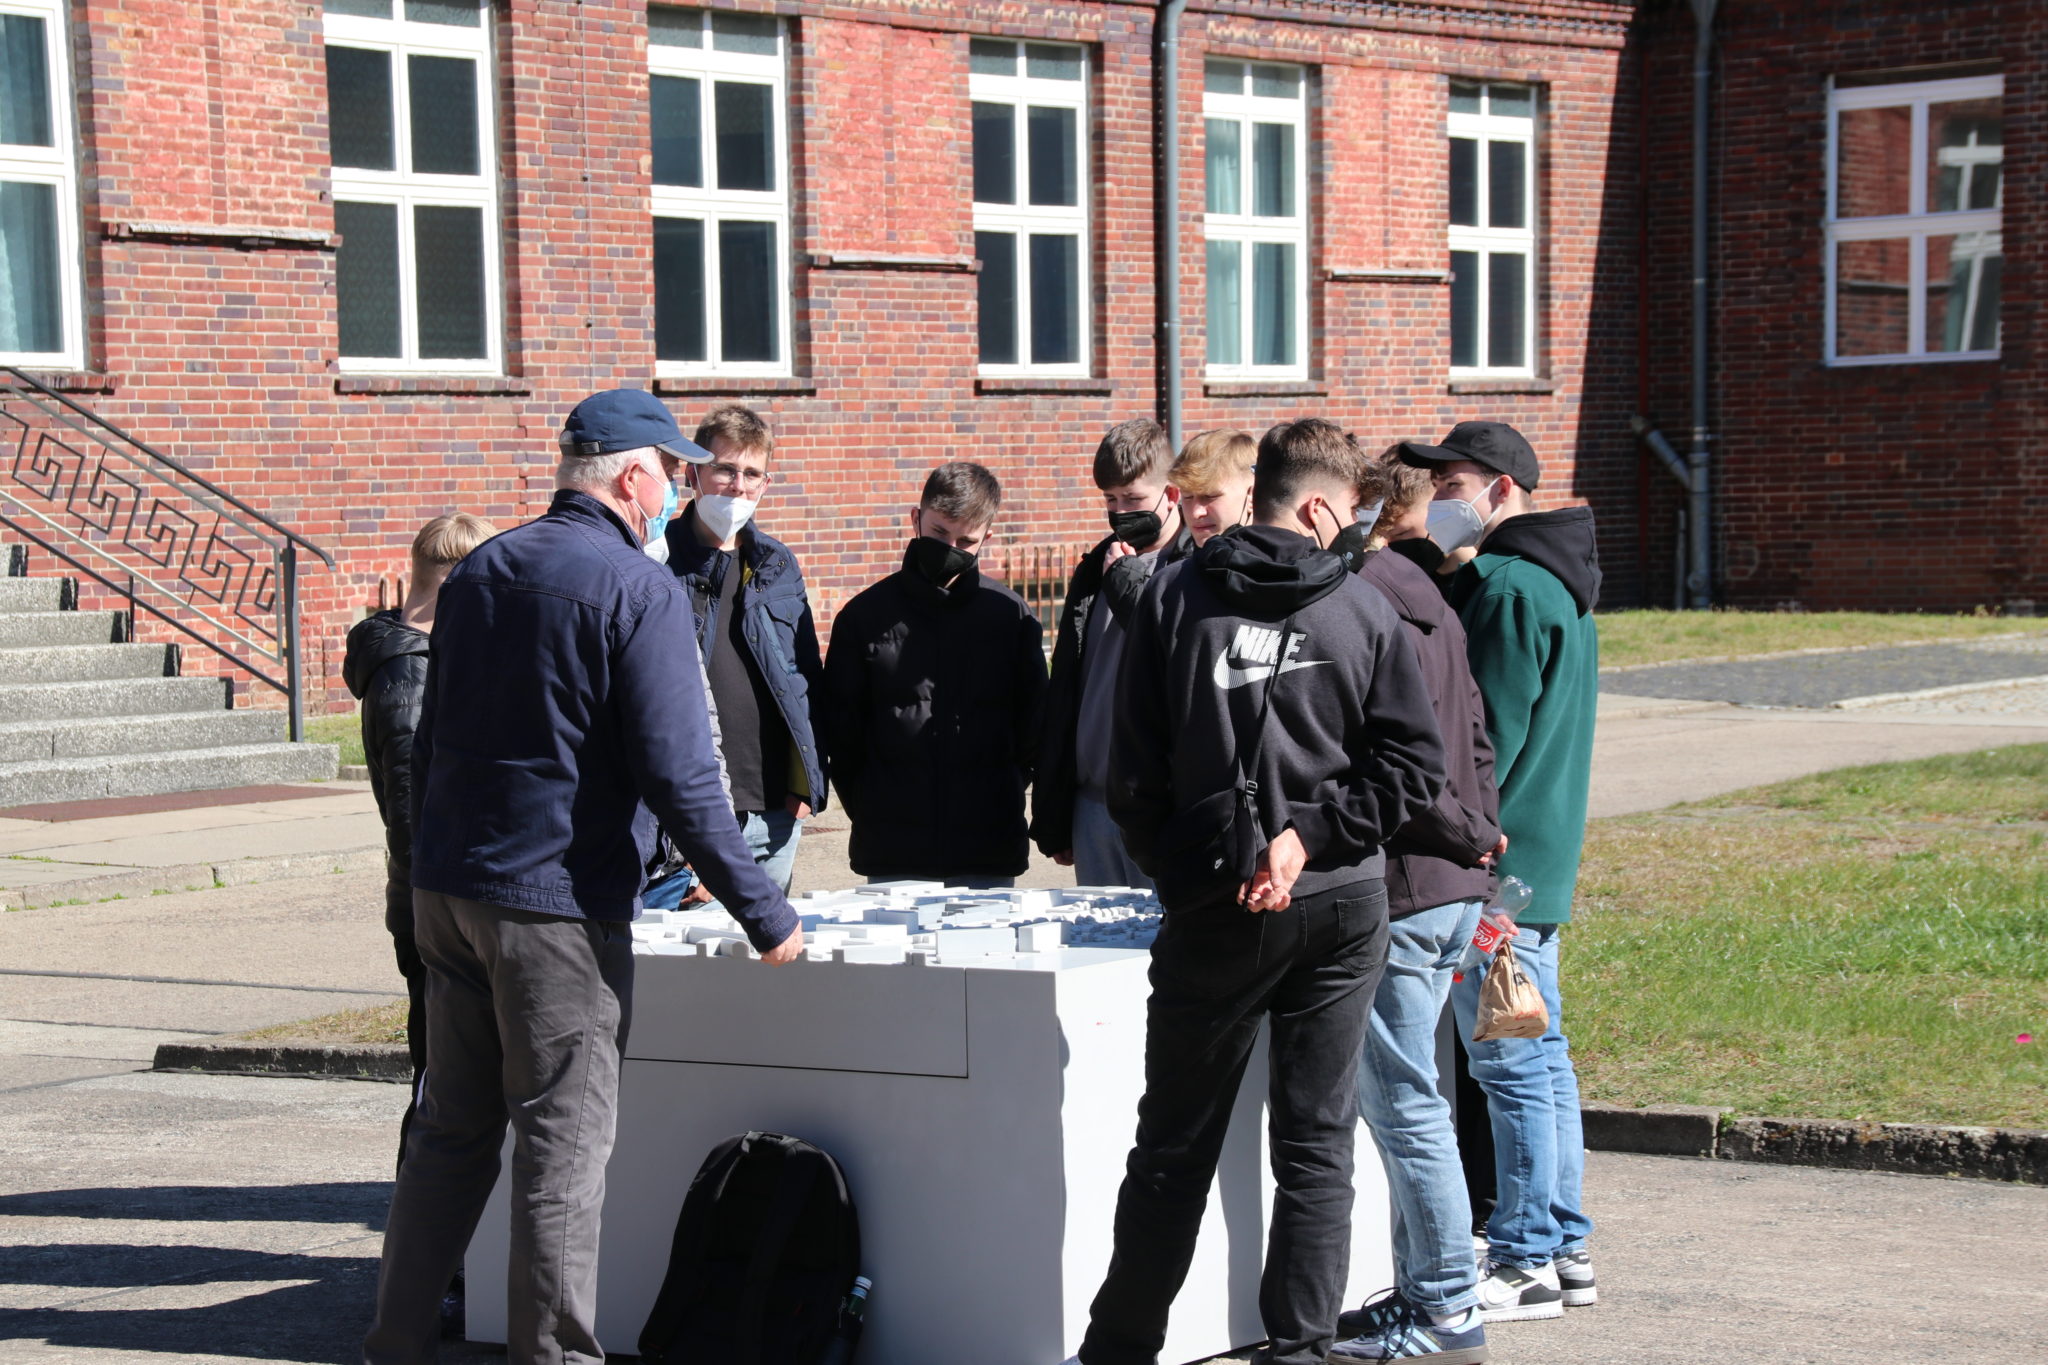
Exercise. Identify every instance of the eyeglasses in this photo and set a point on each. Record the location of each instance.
(745, 478)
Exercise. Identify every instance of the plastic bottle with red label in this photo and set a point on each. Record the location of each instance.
(1496, 925)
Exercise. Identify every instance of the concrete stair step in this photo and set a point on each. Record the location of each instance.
(39, 781)
(79, 663)
(100, 736)
(109, 697)
(29, 594)
(20, 628)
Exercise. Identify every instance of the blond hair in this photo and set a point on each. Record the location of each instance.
(1209, 458)
(446, 539)
(1405, 485)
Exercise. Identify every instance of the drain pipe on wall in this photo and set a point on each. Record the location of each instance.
(1166, 195)
(1699, 580)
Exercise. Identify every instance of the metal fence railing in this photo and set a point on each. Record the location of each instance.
(1038, 572)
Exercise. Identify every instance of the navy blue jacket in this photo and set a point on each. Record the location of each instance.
(776, 622)
(563, 701)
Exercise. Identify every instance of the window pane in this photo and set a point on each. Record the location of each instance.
(1465, 309)
(1273, 170)
(1277, 82)
(746, 135)
(1226, 303)
(369, 9)
(359, 108)
(756, 33)
(1874, 154)
(448, 267)
(460, 13)
(1273, 303)
(1963, 277)
(1872, 297)
(747, 285)
(676, 119)
(1967, 142)
(1223, 78)
(1055, 299)
(31, 306)
(996, 290)
(1511, 101)
(442, 91)
(1507, 310)
(24, 83)
(1047, 63)
(679, 289)
(995, 154)
(1507, 184)
(1464, 182)
(987, 57)
(674, 27)
(366, 279)
(1465, 98)
(1225, 161)
(1055, 156)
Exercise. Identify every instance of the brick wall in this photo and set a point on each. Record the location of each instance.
(210, 116)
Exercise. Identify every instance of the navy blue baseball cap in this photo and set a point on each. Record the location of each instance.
(626, 419)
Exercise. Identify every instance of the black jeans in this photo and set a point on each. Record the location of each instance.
(415, 973)
(1216, 971)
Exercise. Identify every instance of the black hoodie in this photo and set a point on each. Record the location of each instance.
(1350, 750)
(386, 669)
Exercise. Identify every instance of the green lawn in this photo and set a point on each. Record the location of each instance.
(347, 731)
(1865, 944)
(1655, 637)
(374, 1024)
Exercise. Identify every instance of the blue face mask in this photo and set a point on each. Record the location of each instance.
(658, 523)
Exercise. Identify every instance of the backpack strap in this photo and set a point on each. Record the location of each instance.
(794, 1183)
(1247, 782)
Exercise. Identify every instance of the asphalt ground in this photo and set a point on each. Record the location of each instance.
(1821, 680)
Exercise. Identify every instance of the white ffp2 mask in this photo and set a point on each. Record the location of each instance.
(724, 516)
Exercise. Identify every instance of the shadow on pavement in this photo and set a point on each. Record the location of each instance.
(358, 1201)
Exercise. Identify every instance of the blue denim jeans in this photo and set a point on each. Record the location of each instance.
(1408, 1116)
(1533, 1094)
(771, 837)
(1099, 857)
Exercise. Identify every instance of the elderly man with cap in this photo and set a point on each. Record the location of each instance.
(1526, 602)
(564, 712)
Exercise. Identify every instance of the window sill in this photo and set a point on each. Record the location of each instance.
(242, 237)
(71, 381)
(1264, 388)
(1024, 383)
(468, 384)
(872, 260)
(1349, 273)
(736, 385)
(1525, 385)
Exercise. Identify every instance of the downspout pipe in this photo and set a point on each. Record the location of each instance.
(1166, 196)
(1699, 580)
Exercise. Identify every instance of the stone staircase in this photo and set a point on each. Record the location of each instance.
(84, 716)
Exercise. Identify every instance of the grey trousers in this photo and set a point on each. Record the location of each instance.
(527, 1014)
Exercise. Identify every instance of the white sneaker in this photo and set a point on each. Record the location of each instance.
(1575, 1278)
(1510, 1294)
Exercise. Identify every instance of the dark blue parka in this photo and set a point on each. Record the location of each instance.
(563, 702)
(776, 623)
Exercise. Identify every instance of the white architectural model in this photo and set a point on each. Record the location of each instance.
(974, 1060)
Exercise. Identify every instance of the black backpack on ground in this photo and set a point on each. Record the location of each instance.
(766, 1248)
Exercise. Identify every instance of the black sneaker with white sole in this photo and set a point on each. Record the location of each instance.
(1511, 1294)
(1575, 1278)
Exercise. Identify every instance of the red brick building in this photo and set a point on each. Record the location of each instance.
(352, 262)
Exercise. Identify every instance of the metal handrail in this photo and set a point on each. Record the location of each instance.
(239, 629)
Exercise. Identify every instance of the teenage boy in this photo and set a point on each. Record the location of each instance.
(1260, 661)
(1438, 881)
(386, 670)
(1069, 821)
(758, 642)
(1527, 603)
(935, 679)
(1214, 476)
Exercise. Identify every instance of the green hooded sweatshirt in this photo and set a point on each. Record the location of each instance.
(1527, 605)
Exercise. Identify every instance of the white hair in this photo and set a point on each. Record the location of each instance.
(597, 473)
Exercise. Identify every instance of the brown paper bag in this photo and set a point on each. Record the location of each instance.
(1510, 1006)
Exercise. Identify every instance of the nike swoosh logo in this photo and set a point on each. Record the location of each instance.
(1228, 677)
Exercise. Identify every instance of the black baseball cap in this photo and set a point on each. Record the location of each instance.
(626, 419)
(1490, 445)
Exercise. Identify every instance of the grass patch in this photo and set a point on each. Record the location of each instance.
(1864, 944)
(376, 1024)
(345, 731)
(1657, 637)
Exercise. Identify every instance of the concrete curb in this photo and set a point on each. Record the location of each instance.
(1935, 693)
(2010, 1154)
(352, 772)
(347, 1061)
(130, 883)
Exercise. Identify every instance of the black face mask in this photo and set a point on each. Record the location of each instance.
(1137, 529)
(937, 562)
(1349, 544)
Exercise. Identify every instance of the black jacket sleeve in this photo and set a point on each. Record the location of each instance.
(391, 714)
(1123, 583)
(1140, 789)
(1029, 690)
(846, 706)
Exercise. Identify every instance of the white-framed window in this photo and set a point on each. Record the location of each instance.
(1031, 205)
(410, 134)
(718, 118)
(40, 278)
(1915, 255)
(1492, 229)
(1255, 124)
